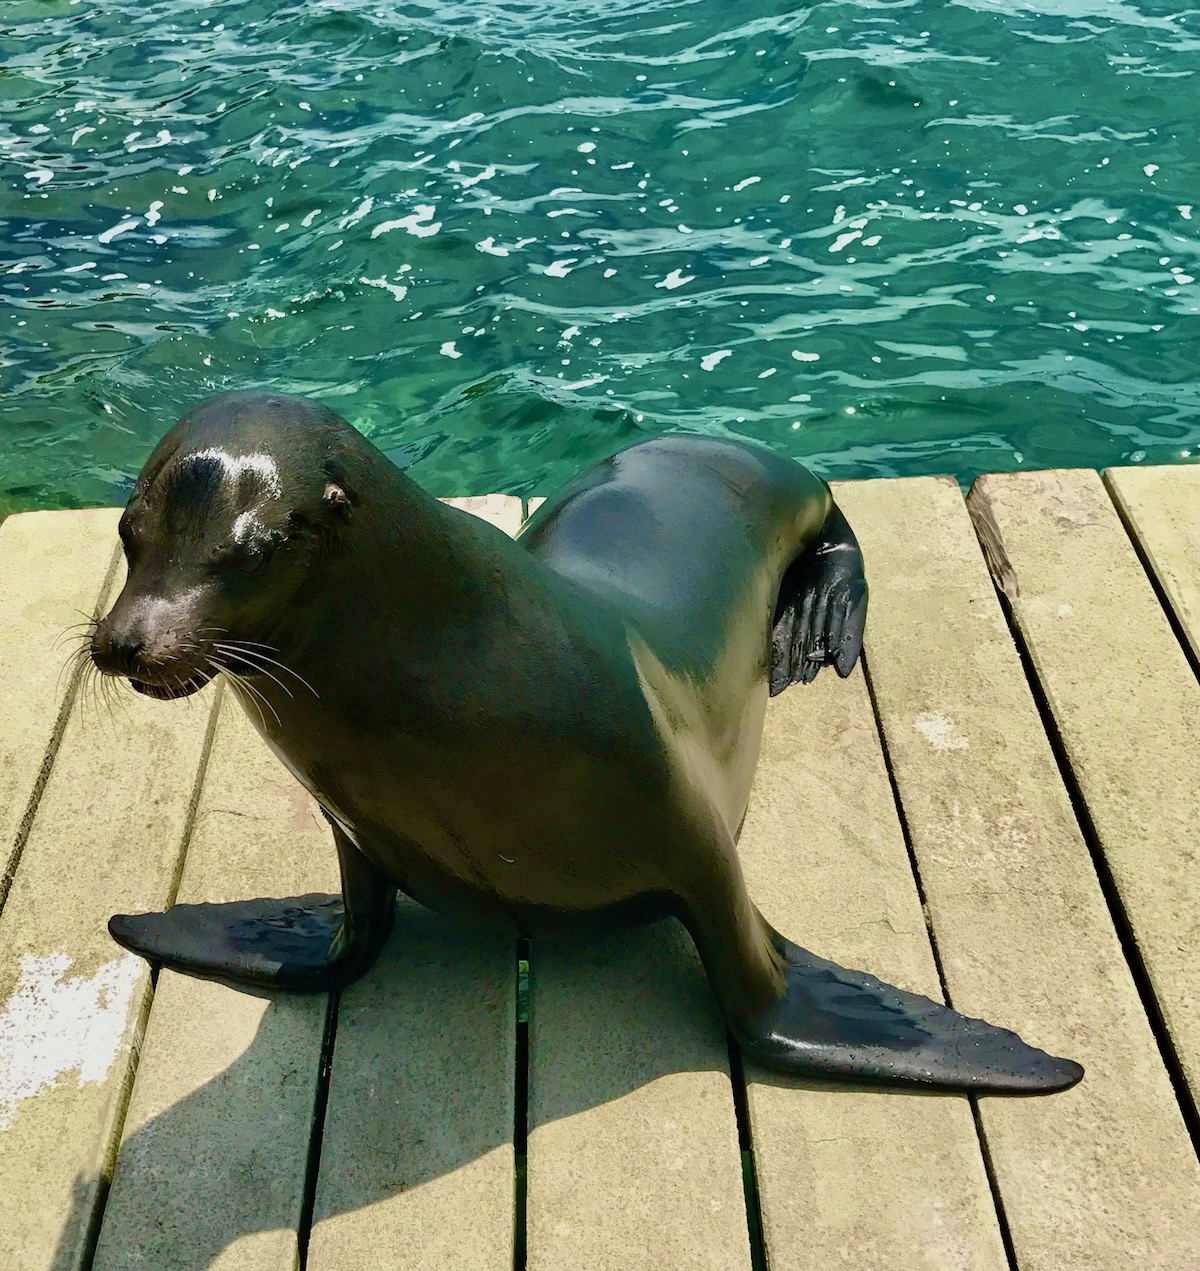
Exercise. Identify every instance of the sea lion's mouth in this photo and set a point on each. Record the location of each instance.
(173, 691)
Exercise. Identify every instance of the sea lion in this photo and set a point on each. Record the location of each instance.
(531, 734)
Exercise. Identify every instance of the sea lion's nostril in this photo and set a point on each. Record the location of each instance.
(127, 648)
(115, 651)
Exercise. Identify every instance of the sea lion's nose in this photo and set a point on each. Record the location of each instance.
(116, 651)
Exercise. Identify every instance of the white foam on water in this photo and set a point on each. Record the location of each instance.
(676, 278)
(398, 290)
(420, 223)
(109, 234)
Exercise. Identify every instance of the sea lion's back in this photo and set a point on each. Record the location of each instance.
(682, 527)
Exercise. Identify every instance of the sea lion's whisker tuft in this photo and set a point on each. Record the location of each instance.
(253, 667)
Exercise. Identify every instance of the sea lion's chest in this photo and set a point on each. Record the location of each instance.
(490, 803)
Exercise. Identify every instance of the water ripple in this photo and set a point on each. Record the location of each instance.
(505, 238)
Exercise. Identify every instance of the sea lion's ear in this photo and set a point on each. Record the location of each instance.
(338, 501)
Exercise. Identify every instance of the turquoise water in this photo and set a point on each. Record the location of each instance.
(505, 239)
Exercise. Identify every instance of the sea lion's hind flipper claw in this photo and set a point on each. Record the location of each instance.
(281, 944)
(833, 1022)
(821, 610)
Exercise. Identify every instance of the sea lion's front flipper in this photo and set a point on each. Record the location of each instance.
(832, 1022)
(822, 608)
(306, 943)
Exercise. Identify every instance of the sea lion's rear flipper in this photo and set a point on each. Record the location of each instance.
(821, 610)
(306, 943)
(832, 1022)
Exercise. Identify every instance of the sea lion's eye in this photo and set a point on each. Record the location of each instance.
(246, 560)
(252, 562)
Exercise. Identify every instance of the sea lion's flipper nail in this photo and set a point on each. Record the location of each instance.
(821, 609)
(850, 639)
(808, 671)
(833, 1022)
(292, 944)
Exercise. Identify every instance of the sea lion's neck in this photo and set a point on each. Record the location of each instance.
(407, 583)
(406, 543)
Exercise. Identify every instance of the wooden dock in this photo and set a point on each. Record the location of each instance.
(1002, 807)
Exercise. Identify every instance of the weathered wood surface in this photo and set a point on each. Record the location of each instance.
(1103, 1175)
(1161, 509)
(1126, 705)
(417, 1157)
(633, 1147)
(852, 1178)
(108, 834)
(211, 1169)
(52, 568)
(633, 1154)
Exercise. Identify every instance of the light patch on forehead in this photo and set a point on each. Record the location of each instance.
(248, 527)
(234, 465)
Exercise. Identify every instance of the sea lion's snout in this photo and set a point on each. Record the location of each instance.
(149, 642)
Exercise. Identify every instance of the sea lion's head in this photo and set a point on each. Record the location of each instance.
(235, 507)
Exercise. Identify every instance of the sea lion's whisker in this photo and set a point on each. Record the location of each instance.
(107, 691)
(83, 667)
(122, 701)
(240, 649)
(252, 668)
(254, 694)
(256, 644)
(239, 684)
(75, 631)
(255, 667)
(93, 689)
(249, 693)
(70, 664)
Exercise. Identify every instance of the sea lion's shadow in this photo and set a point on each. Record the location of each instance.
(425, 1076)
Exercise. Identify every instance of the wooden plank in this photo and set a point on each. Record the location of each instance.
(417, 1163)
(502, 510)
(855, 1178)
(52, 568)
(417, 1157)
(1127, 707)
(108, 835)
(633, 1150)
(1102, 1176)
(212, 1162)
(1161, 509)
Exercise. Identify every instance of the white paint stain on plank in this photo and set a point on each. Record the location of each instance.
(53, 1026)
(939, 732)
